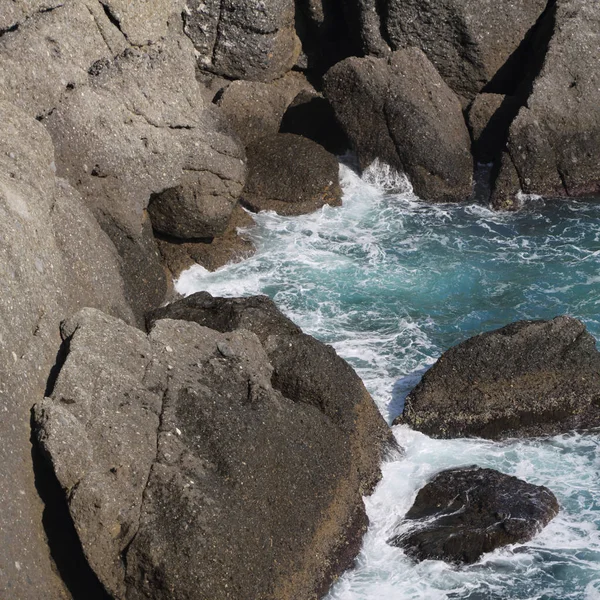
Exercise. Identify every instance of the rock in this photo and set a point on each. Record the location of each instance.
(212, 254)
(489, 119)
(529, 378)
(241, 40)
(366, 27)
(166, 444)
(291, 175)
(311, 115)
(555, 138)
(463, 513)
(255, 109)
(506, 186)
(53, 259)
(139, 130)
(468, 41)
(400, 111)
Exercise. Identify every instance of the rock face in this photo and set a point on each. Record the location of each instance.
(400, 111)
(243, 40)
(204, 464)
(463, 513)
(554, 140)
(469, 41)
(529, 378)
(54, 258)
(291, 175)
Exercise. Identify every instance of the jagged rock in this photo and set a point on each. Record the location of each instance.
(212, 254)
(555, 138)
(399, 110)
(463, 513)
(53, 258)
(242, 40)
(255, 109)
(529, 378)
(291, 175)
(506, 186)
(469, 41)
(139, 130)
(164, 445)
(311, 115)
(366, 27)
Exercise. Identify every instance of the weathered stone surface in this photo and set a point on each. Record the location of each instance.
(291, 175)
(555, 138)
(211, 254)
(255, 109)
(243, 40)
(468, 41)
(229, 432)
(400, 111)
(139, 130)
(507, 186)
(40, 249)
(463, 513)
(528, 378)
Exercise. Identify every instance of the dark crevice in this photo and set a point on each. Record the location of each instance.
(61, 357)
(9, 29)
(110, 15)
(64, 544)
(381, 8)
(171, 239)
(515, 80)
(563, 181)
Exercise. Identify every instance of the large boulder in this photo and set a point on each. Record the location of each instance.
(469, 41)
(200, 464)
(243, 40)
(255, 109)
(54, 258)
(400, 110)
(462, 513)
(529, 378)
(554, 140)
(291, 175)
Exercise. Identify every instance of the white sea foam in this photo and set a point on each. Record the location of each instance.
(391, 282)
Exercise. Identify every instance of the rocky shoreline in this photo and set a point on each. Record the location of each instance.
(134, 135)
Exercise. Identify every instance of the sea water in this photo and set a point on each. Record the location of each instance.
(391, 282)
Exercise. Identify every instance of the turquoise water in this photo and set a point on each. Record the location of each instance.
(392, 282)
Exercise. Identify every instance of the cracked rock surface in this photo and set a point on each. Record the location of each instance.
(208, 464)
(463, 513)
(529, 378)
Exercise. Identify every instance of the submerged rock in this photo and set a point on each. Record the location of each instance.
(291, 175)
(400, 111)
(213, 465)
(529, 378)
(463, 513)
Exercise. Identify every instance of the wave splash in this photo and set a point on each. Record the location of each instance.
(391, 282)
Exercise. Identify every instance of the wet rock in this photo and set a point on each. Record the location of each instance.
(255, 109)
(164, 444)
(463, 513)
(555, 138)
(213, 253)
(242, 40)
(529, 378)
(470, 42)
(400, 111)
(291, 175)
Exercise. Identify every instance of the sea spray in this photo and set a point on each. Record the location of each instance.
(391, 282)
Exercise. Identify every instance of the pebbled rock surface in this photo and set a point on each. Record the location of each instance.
(400, 111)
(463, 513)
(291, 175)
(213, 465)
(243, 40)
(554, 140)
(53, 259)
(529, 378)
(468, 41)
